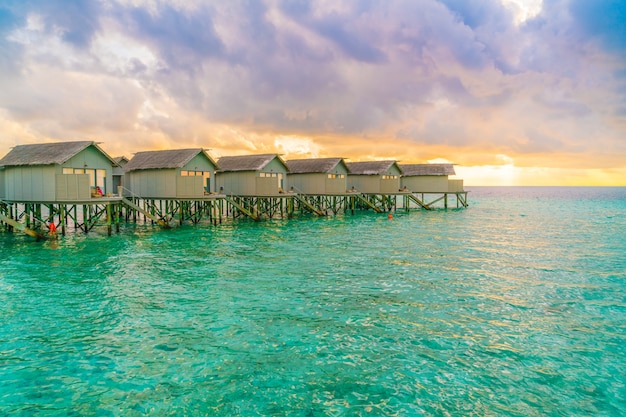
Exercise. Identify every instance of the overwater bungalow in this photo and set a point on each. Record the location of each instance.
(179, 173)
(119, 177)
(321, 176)
(430, 178)
(374, 177)
(77, 184)
(61, 171)
(252, 175)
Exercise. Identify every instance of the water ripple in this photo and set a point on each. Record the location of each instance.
(515, 306)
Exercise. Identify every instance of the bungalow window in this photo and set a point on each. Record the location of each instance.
(206, 175)
(276, 175)
(335, 176)
(390, 177)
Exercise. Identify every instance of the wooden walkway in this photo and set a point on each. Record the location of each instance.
(37, 218)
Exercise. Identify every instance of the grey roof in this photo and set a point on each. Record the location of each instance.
(410, 170)
(46, 153)
(167, 159)
(316, 165)
(120, 160)
(247, 162)
(371, 167)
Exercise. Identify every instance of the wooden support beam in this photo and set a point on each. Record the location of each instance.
(242, 209)
(368, 203)
(145, 213)
(435, 201)
(109, 219)
(418, 201)
(19, 226)
(463, 199)
(309, 205)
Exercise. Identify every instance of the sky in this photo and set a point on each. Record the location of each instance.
(513, 92)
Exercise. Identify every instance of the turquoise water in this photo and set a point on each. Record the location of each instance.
(515, 306)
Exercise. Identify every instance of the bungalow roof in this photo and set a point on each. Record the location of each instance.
(121, 160)
(370, 167)
(247, 162)
(316, 165)
(47, 153)
(410, 170)
(165, 159)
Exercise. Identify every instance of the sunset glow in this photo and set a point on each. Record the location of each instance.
(514, 92)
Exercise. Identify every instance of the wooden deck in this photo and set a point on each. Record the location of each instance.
(34, 218)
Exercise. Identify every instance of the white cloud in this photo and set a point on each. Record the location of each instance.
(524, 9)
(294, 147)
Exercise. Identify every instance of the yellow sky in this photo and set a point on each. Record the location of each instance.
(511, 175)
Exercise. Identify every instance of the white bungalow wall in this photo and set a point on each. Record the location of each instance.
(388, 186)
(275, 166)
(336, 185)
(237, 183)
(254, 183)
(426, 183)
(45, 183)
(391, 185)
(268, 186)
(2, 186)
(91, 158)
(373, 184)
(165, 183)
(455, 186)
(314, 183)
(153, 183)
(271, 185)
(364, 183)
(30, 183)
(201, 163)
(317, 183)
(189, 187)
(72, 187)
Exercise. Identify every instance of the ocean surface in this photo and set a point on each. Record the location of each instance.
(515, 306)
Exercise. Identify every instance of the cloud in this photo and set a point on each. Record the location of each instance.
(352, 36)
(461, 80)
(75, 22)
(183, 39)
